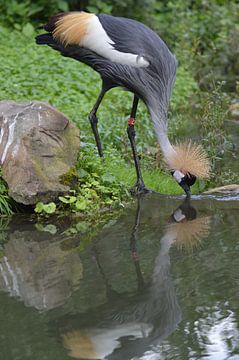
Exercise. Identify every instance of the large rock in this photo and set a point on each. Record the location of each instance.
(36, 270)
(232, 189)
(38, 145)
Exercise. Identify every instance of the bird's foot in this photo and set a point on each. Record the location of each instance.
(139, 189)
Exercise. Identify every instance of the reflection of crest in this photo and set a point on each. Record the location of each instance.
(189, 233)
(185, 229)
(80, 345)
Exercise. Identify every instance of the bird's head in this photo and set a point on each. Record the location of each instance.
(184, 180)
(187, 162)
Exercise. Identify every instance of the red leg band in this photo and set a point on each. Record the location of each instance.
(131, 121)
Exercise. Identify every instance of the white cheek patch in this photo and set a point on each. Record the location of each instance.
(97, 40)
(178, 175)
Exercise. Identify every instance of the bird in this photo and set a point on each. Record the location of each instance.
(128, 54)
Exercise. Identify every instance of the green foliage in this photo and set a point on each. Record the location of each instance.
(217, 140)
(96, 187)
(182, 123)
(138, 9)
(17, 13)
(203, 34)
(4, 223)
(184, 88)
(49, 208)
(6, 204)
(212, 123)
(50, 228)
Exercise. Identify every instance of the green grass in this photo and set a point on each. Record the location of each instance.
(154, 179)
(6, 204)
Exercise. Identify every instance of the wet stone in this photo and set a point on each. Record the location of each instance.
(38, 144)
(232, 189)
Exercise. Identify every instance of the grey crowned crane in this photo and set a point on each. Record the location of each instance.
(128, 54)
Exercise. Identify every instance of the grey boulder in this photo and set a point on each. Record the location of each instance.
(232, 189)
(38, 144)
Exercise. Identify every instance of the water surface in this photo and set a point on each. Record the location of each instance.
(160, 282)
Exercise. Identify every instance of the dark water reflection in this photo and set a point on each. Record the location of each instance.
(161, 282)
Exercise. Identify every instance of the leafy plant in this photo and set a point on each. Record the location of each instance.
(203, 34)
(49, 208)
(6, 203)
(97, 187)
(17, 13)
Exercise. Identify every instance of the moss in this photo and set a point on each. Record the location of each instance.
(70, 178)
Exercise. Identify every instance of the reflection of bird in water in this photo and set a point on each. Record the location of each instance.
(148, 316)
(97, 343)
(185, 229)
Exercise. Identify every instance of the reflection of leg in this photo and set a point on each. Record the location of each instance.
(110, 292)
(134, 232)
(133, 248)
(139, 186)
(94, 120)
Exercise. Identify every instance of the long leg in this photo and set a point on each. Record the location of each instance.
(94, 120)
(139, 186)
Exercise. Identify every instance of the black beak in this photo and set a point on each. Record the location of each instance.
(186, 188)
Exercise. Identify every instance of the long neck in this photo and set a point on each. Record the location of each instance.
(160, 123)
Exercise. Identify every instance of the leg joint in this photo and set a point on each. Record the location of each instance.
(92, 118)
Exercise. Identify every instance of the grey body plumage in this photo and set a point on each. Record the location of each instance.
(154, 81)
(151, 79)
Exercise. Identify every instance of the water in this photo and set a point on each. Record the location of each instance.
(160, 282)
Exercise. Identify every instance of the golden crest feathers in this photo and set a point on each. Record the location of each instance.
(189, 158)
(71, 28)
